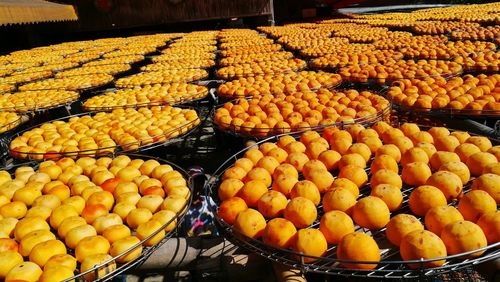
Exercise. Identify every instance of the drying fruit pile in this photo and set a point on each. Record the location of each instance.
(315, 192)
(67, 215)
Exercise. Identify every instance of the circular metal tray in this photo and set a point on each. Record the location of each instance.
(183, 99)
(182, 131)
(390, 266)
(365, 121)
(99, 269)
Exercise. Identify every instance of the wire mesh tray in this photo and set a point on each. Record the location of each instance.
(174, 101)
(110, 268)
(263, 133)
(69, 85)
(391, 265)
(163, 139)
(70, 98)
(14, 124)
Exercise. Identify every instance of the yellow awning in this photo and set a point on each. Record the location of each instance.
(34, 11)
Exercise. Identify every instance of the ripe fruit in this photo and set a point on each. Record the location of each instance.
(390, 150)
(340, 199)
(345, 183)
(27, 225)
(306, 189)
(53, 274)
(441, 157)
(110, 184)
(321, 178)
(371, 213)
(229, 188)
(446, 143)
(43, 251)
(75, 235)
(400, 225)
(272, 204)
(148, 228)
(301, 212)
(32, 239)
(26, 271)
(260, 174)
(489, 183)
(390, 194)
(464, 151)
(490, 224)
(284, 184)
(91, 261)
(478, 161)
(8, 260)
(422, 244)
(437, 218)
(463, 236)
(310, 242)
(138, 216)
(352, 159)
(334, 225)
(458, 168)
(279, 233)
(64, 260)
(448, 182)
(330, 159)
(116, 232)
(286, 169)
(229, 209)
(150, 202)
(355, 174)
(91, 212)
(415, 155)
(424, 197)
(124, 244)
(358, 246)
(252, 191)
(106, 221)
(483, 143)
(384, 162)
(385, 176)
(475, 204)
(250, 223)
(7, 244)
(60, 213)
(416, 174)
(14, 209)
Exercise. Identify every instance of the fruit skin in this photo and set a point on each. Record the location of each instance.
(75, 235)
(478, 161)
(334, 225)
(229, 188)
(91, 261)
(463, 236)
(55, 274)
(437, 218)
(358, 246)
(148, 228)
(301, 212)
(458, 168)
(400, 225)
(475, 204)
(306, 189)
(120, 246)
(34, 238)
(7, 244)
(61, 260)
(229, 209)
(272, 204)
(279, 233)
(91, 245)
(490, 224)
(355, 174)
(339, 199)
(416, 173)
(43, 251)
(424, 198)
(8, 260)
(371, 212)
(490, 183)
(422, 244)
(310, 241)
(448, 182)
(391, 195)
(252, 191)
(26, 271)
(250, 223)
